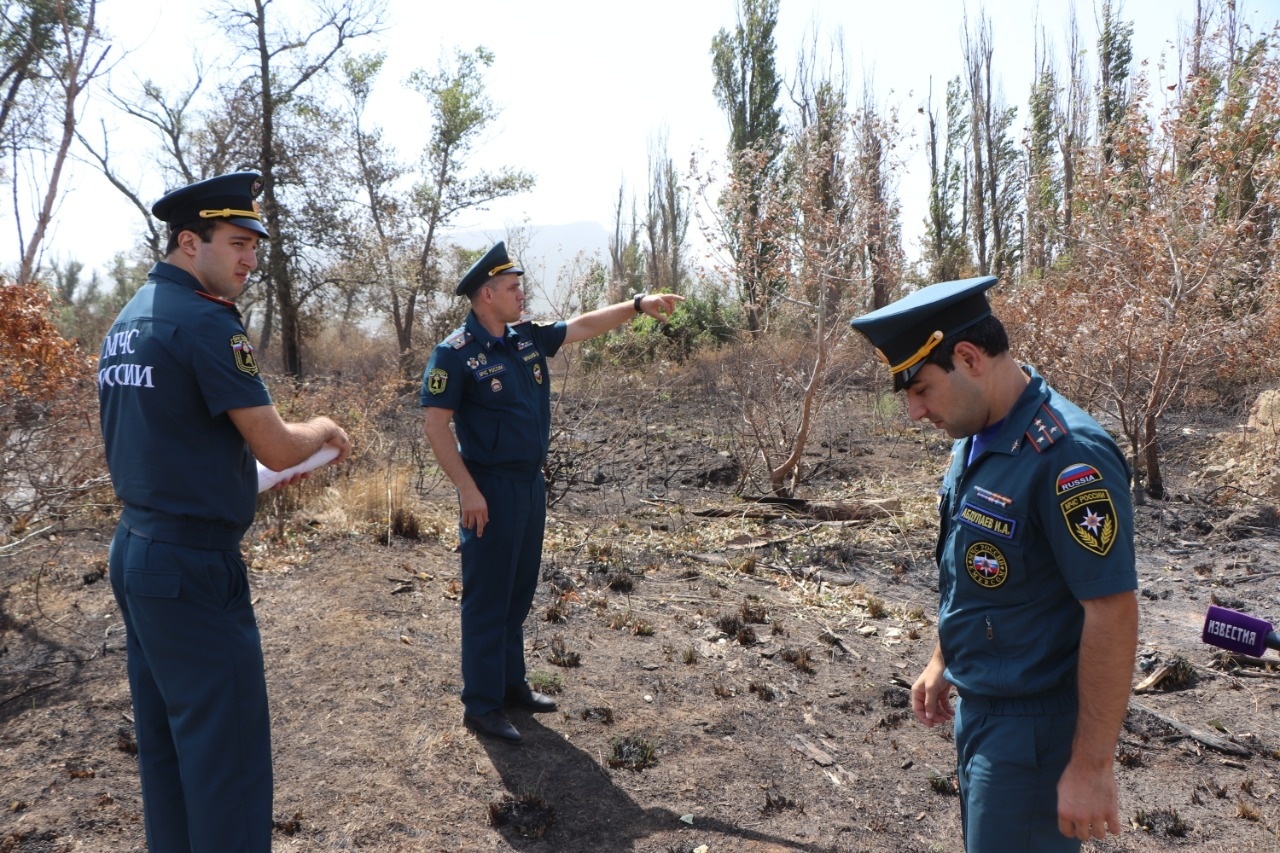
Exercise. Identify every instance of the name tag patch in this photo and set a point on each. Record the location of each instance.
(987, 521)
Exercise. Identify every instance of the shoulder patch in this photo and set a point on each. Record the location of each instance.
(459, 339)
(242, 352)
(1046, 429)
(437, 380)
(1074, 476)
(1091, 520)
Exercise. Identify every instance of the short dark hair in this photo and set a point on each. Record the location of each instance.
(202, 228)
(988, 335)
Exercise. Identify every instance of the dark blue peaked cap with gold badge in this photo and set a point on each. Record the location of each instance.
(906, 331)
(495, 262)
(229, 198)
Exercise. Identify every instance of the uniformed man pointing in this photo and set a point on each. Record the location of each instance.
(184, 413)
(490, 380)
(1037, 624)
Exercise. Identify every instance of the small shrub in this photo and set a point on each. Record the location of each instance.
(405, 524)
(689, 655)
(763, 691)
(633, 753)
(729, 624)
(1129, 758)
(561, 656)
(528, 815)
(600, 714)
(945, 785)
(1162, 821)
(777, 803)
(546, 682)
(799, 658)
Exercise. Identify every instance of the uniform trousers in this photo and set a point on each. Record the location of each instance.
(499, 579)
(1010, 756)
(199, 695)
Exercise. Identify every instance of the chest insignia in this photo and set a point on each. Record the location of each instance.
(1077, 475)
(523, 345)
(995, 497)
(1091, 520)
(496, 385)
(537, 373)
(242, 352)
(986, 565)
(531, 356)
(988, 522)
(490, 371)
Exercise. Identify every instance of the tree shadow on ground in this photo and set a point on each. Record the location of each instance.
(591, 813)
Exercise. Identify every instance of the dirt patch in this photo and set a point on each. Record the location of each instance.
(730, 682)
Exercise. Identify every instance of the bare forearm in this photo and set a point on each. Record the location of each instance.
(1107, 648)
(279, 445)
(660, 306)
(445, 448)
(599, 321)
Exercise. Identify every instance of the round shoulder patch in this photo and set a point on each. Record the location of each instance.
(986, 565)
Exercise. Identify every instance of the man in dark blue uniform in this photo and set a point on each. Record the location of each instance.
(490, 379)
(184, 413)
(1037, 625)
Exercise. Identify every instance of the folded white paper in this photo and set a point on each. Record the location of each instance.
(268, 478)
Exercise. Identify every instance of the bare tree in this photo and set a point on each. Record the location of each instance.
(286, 60)
(70, 60)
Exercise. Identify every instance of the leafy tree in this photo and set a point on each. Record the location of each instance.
(460, 112)
(1043, 181)
(1115, 57)
(1071, 113)
(747, 86)
(994, 163)
(50, 51)
(666, 225)
(945, 250)
(286, 61)
(626, 256)
(1167, 268)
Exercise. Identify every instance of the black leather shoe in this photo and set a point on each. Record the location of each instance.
(526, 697)
(492, 724)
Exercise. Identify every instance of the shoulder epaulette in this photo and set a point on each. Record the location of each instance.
(1046, 429)
(459, 339)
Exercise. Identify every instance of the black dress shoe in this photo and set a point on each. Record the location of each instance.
(524, 696)
(492, 724)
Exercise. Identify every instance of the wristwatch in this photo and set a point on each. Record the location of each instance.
(636, 302)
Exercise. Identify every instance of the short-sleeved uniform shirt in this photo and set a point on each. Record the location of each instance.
(499, 390)
(176, 360)
(1040, 520)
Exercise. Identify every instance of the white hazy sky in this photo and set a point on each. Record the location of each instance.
(585, 87)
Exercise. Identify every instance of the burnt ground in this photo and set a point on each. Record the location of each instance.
(732, 676)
